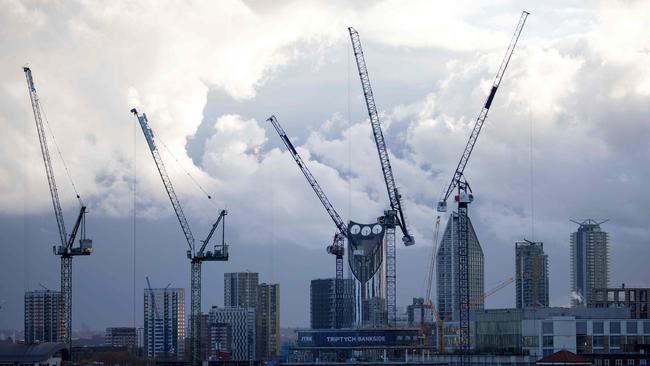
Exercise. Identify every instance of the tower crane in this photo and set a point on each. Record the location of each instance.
(479, 299)
(196, 257)
(465, 197)
(395, 216)
(427, 298)
(337, 248)
(66, 250)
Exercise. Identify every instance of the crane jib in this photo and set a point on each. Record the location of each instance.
(289, 145)
(488, 103)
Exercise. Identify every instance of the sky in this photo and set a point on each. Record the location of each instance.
(566, 138)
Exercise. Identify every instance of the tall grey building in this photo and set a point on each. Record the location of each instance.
(164, 322)
(240, 289)
(447, 269)
(268, 321)
(322, 296)
(241, 321)
(42, 316)
(531, 274)
(589, 261)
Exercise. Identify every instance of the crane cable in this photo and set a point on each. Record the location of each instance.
(58, 150)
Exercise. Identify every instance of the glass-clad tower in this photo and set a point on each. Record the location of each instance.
(447, 270)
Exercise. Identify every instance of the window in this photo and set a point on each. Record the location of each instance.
(547, 341)
(630, 340)
(581, 328)
(606, 362)
(599, 362)
(599, 328)
(547, 328)
(630, 362)
(631, 327)
(646, 327)
(599, 342)
(642, 362)
(614, 327)
(614, 342)
(619, 362)
(530, 341)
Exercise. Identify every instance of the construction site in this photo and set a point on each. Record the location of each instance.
(355, 317)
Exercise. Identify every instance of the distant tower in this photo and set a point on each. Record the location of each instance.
(164, 322)
(240, 289)
(531, 266)
(268, 321)
(589, 261)
(447, 269)
(42, 316)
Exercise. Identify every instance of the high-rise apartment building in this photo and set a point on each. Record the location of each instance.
(121, 337)
(240, 289)
(42, 316)
(589, 261)
(241, 321)
(447, 269)
(268, 321)
(531, 274)
(322, 295)
(164, 323)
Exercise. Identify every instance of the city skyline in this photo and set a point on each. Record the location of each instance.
(277, 228)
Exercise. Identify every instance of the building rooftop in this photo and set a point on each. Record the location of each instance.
(31, 353)
(563, 357)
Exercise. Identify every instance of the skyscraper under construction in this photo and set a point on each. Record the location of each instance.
(531, 266)
(447, 270)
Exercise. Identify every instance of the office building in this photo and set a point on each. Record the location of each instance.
(447, 270)
(242, 325)
(42, 316)
(240, 289)
(164, 323)
(635, 299)
(322, 295)
(544, 331)
(589, 261)
(268, 321)
(531, 273)
(121, 337)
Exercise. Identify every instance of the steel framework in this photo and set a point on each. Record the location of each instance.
(465, 197)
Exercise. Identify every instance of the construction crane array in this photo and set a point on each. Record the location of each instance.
(196, 257)
(465, 197)
(66, 250)
(395, 216)
(337, 248)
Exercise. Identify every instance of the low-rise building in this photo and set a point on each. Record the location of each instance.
(635, 299)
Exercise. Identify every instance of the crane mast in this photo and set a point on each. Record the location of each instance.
(196, 258)
(465, 197)
(66, 249)
(394, 216)
(337, 248)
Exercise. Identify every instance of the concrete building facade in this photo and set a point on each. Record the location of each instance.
(42, 316)
(447, 269)
(240, 289)
(164, 323)
(589, 261)
(242, 325)
(121, 337)
(268, 321)
(531, 274)
(635, 299)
